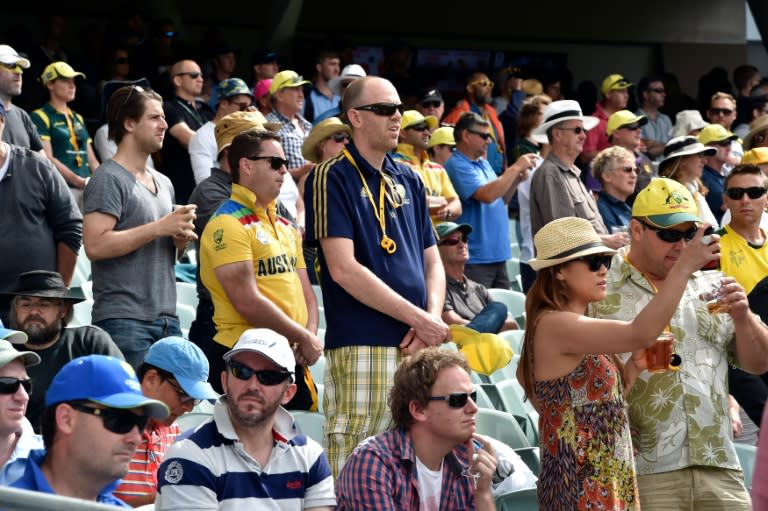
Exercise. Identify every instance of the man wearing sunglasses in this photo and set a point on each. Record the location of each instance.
(249, 455)
(93, 421)
(415, 130)
(478, 97)
(615, 95)
(252, 262)
(433, 458)
(722, 111)
(185, 114)
(680, 415)
(716, 167)
(651, 94)
(175, 371)
(19, 129)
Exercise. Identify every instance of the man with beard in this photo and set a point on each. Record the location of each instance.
(320, 97)
(175, 372)
(249, 455)
(478, 100)
(41, 307)
(19, 129)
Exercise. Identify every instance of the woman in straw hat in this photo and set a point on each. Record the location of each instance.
(586, 450)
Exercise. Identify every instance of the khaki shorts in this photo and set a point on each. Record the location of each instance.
(694, 489)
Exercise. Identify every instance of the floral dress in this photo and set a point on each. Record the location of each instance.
(586, 449)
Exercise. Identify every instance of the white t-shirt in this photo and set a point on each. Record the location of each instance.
(430, 482)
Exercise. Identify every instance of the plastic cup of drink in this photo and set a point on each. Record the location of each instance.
(658, 356)
(711, 295)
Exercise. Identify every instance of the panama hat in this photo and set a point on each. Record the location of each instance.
(687, 121)
(559, 111)
(320, 132)
(565, 239)
(757, 126)
(684, 146)
(350, 73)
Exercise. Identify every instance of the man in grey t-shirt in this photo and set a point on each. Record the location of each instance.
(19, 129)
(131, 230)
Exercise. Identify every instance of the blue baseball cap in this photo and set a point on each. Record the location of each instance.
(12, 336)
(105, 380)
(186, 362)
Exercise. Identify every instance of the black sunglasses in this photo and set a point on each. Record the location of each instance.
(274, 161)
(340, 137)
(457, 399)
(595, 261)
(265, 376)
(631, 127)
(721, 111)
(431, 104)
(753, 192)
(116, 421)
(577, 130)
(419, 127)
(194, 74)
(453, 241)
(383, 109)
(671, 236)
(10, 385)
(481, 134)
(636, 170)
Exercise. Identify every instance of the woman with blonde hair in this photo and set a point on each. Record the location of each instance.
(615, 168)
(569, 370)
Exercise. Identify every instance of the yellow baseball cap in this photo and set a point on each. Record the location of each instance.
(715, 133)
(442, 135)
(286, 79)
(58, 70)
(756, 156)
(614, 82)
(665, 203)
(623, 118)
(486, 353)
(414, 117)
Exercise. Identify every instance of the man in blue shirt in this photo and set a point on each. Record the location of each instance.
(484, 197)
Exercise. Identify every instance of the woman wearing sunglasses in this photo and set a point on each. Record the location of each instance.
(570, 372)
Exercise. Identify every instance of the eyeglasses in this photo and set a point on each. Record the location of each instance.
(242, 106)
(577, 130)
(183, 396)
(720, 111)
(431, 104)
(671, 236)
(10, 385)
(419, 127)
(658, 91)
(122, 60)
(595, 261)
(340, 137)
(275, 162)
(44, 305)
(636, 170)
(482, 134)
(457, 399)
(265, 376)
(482, 83)
(16, 68)
(382, 109)
(753, 192)
(192, 74)
(116, 421)
(453, 241)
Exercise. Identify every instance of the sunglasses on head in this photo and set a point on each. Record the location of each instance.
(671, 235)
(10, 385)
(192, 74)
(720, 111)
(382, 109)
(340, 137)
(265, 376)
(457, 399)
(431, 104)
(481, 134)
(595, 261)
(753, 192)
(419, 127)
(275, 162)
(116, 421)
(577, 130)
(454, 240)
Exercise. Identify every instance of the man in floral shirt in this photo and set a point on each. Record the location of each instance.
(685, 458)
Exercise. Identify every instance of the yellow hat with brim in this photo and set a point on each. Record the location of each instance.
(442, 135)
(229, 126)
(414, 117)
(286, 79)
(756, 156)
(485, 353)
(715, 133)
(623, 118)
(565, 239)
(665, 203)
(320, 132)
(58, 70)
(614, 82)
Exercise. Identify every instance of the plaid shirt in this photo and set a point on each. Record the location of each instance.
(290, 137)
(381, 474)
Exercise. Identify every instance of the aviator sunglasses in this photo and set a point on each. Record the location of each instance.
(753, 192)
(457, 399)
(116, 421)
(265, 376)
(10, 385)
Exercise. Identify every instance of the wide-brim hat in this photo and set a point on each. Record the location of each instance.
(320, 132)
(559, 111)
(687, 121)
(45, 284)
(349, 73)
(685, 146)
(565, 239)
(757, 126)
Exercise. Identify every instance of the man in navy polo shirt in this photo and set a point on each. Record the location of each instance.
(380, 271)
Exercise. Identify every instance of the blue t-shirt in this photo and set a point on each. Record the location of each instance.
(321, 104)
(338, 206)
(34, 479)
(615, 212)
(489, 239)
(715, 183)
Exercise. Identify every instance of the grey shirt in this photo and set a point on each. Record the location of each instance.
(557, 191)
(467, 298)
(19, 129)
(142, 284)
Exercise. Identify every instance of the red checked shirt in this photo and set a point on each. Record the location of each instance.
(381, 474)
(142, 471)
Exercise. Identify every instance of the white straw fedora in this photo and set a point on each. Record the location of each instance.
(565, 239)
(559, 111)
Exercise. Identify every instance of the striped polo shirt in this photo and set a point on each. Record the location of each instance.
(141, 479)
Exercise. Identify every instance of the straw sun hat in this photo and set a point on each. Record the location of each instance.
(320, 132)
(565, 239)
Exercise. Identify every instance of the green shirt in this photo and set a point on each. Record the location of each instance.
(52, 126)
(679, 418)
